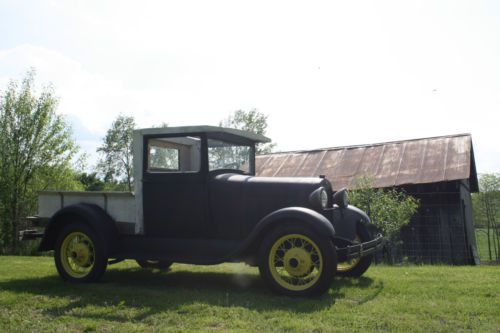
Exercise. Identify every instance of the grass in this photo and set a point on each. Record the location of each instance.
(231, 297)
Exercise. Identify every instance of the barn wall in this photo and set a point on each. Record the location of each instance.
(466, 200)
(438, 233)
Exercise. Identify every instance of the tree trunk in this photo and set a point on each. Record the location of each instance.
(496, 239)
(14, 222)
(488, 226)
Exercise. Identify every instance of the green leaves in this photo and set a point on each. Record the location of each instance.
(486, 210)
(36, 149)
(116, 160)
(252, 121)
(389, 209)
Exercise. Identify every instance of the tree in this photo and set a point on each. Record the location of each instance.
(116, 163)
(486, 210)
(91, 181)
(389, 209)
(36, 149)
(252, 121)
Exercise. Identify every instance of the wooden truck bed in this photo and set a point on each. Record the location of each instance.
(121, 206)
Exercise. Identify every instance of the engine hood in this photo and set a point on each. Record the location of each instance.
(290, 191)
(299, 181)
(235, 196)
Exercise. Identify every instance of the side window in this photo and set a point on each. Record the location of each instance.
(163, 158)
(178, 154)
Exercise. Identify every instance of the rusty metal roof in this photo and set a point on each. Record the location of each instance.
(416, 161)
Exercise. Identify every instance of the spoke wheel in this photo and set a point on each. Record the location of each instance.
(357, 266)
(77, 254)
(297, 262)
(348, 265)
(80, 254)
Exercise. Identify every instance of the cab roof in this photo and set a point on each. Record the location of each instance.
(212, 131)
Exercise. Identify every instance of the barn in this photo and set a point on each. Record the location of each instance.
(439, 171)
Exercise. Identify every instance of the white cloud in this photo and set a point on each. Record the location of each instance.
(87, 96)
(327, 73)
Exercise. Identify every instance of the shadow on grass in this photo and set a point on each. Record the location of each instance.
(136, 294)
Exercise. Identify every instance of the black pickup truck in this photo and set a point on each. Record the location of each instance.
(197, 200)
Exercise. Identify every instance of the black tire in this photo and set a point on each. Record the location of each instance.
(154, 264)
(80, 254)
(356, 268)
(307, 272)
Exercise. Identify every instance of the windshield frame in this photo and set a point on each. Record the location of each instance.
(233, 142)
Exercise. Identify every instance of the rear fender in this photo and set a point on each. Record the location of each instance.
(90, 214)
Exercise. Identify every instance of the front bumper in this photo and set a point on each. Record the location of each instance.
(360, 250)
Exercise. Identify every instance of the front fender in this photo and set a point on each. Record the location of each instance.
(346, 220)
(306, 216)
(309, 217)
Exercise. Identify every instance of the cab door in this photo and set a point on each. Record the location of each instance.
(174, 186)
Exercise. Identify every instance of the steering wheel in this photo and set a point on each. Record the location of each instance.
(234, 165)
(217, 172)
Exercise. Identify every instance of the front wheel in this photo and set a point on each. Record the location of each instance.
(357, 266)
(80, 254)
(295, 261)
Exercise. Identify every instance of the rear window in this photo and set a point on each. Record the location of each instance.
(177, 154)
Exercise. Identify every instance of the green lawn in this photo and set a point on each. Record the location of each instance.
(231, 297)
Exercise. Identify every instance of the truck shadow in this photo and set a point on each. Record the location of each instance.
(143, 293)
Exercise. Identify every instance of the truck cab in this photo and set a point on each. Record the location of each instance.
(197, 200)
(175, 176)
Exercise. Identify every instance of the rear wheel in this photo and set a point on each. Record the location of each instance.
(80, 254)
(154, 264)
(357, 266)
(296, 261)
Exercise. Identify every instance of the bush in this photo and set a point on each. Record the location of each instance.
(389, 210)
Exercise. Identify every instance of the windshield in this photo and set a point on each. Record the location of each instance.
(228, 155)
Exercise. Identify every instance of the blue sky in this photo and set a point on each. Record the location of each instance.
(327, 73)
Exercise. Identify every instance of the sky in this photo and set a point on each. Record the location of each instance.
(327, 73)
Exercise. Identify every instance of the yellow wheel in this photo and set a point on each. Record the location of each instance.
(357, 266)
(346, 266)
(295, 261)
(79, 254)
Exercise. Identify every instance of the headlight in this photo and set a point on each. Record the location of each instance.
(341, 198)
(324, 198)
(319, 198)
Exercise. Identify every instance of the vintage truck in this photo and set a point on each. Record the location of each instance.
(197, 200)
